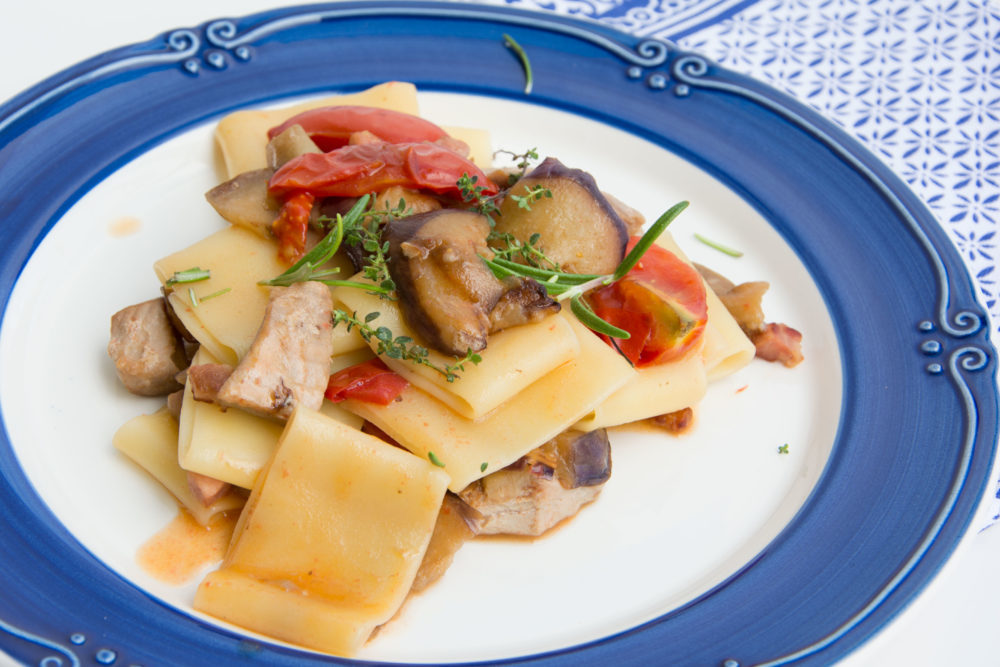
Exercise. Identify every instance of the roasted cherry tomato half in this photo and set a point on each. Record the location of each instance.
(353, 171)
(370, 381)
(660, 302)
(332, 127)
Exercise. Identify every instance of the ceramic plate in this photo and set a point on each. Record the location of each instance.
(714, 548)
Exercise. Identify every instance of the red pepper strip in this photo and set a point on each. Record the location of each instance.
(332, 127)
(291, 225)
(370, 381)
(661, 302)
(353, 171)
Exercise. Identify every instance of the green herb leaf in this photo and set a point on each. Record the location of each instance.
(191, 275)
(589, 318)
(523, 59)
(483, 466)
(718, 246)
(215, 294)
(435, 460)
(783, 449)
(647, 239)
(306, 268)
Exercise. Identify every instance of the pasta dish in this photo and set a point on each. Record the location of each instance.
(395, 345)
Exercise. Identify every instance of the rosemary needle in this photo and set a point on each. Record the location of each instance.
(511, 44)
(718, 246)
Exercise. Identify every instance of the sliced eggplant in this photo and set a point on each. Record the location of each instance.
(743, 301)
(447, 293)
(578, 228)
(245, 201)
(524, 301)
(288, 145)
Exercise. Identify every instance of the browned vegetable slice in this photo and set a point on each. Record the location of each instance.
(743, 301)
(544, 487)
(288, 145)
(524, 301)
(246, 202)
(456, 525)
(448, 295)
(445, 290)
(579, 229)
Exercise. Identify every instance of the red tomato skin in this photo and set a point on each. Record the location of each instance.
(357, 170)
(291, 226)
(370, 381)
(332, 127)
(661, 302)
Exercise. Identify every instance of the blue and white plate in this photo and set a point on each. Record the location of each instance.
(724, 547)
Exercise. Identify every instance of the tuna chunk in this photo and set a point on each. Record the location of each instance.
(289, 361)
(146, 349)
(547, 485)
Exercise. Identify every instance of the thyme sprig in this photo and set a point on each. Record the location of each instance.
(400, 347)
(358, 226)
(565, 286)
(367, 235)
(506, 246)
(474, 193)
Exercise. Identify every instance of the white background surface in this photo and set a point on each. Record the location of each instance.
(954, 622)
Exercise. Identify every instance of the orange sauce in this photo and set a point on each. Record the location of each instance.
(125, 226)
(183, 547)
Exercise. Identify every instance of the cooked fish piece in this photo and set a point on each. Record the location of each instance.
(147, 350)
(289, 361)
(544, 487)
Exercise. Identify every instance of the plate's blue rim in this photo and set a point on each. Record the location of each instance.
(949, 341)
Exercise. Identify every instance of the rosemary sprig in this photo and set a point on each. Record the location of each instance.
(308, 268)
(522, 57)
(572, 286)
(400, 347)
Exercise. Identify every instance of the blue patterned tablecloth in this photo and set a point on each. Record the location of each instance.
(916, 81)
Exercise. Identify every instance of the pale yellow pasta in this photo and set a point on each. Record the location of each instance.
(727, 349)
(330, 540)
(423, 424)
(151, 441)
(242, 135)
(347, 340)
(513, 360)
(237, 259)
(478, 141)
(230, 444)
(654, 390)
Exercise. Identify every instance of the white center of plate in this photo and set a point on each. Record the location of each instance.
(679, 515)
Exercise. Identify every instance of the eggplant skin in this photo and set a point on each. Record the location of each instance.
(578, 227)
(446, 291)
